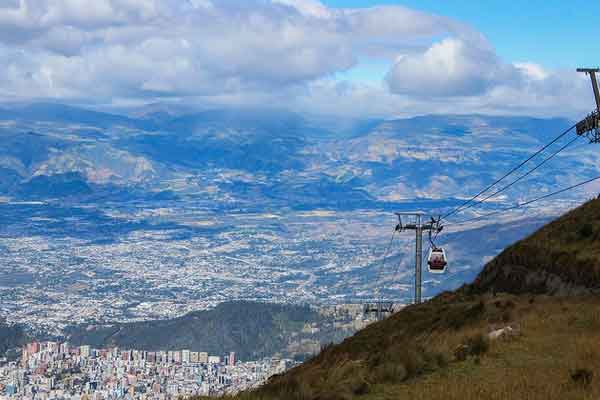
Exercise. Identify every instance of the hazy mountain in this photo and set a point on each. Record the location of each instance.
(60, 185)
(285, 156)
(68, 115)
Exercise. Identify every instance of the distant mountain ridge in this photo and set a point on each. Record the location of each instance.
(218, 153)
(54, 112)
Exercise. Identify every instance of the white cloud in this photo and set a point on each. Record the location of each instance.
(532, 70)
(201, 47)
(309, 7)
(264, 51)
(452, 67)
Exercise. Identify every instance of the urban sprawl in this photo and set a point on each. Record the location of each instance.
(52, 370)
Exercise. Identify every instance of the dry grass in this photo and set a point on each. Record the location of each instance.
(560, 337)
(567, 248)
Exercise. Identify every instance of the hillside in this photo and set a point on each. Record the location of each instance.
(442, 350)
(562, 258)
(252, 330)
(11, 336)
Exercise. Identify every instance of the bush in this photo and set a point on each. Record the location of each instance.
(478, 344)
(460, 316)
(586, 231)
(390, 373)
(507, 316)
(582, 376)
(461, 353)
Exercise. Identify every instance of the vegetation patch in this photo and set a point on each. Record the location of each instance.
(582, 376)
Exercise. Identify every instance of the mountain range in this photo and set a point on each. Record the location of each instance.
(276, 158)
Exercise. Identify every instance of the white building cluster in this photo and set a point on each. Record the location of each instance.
(52, 370)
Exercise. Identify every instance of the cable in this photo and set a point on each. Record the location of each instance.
(380, 275)
(527, 202)
(397, 272)
(497, 192)
(457, 209)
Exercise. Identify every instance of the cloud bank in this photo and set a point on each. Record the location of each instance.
(283, 52)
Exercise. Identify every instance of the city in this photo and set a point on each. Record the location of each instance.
(54, 370)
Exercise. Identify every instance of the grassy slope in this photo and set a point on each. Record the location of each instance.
(558, 337)
(565, 250)
(412, 354)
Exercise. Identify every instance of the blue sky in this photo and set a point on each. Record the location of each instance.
(554, 33)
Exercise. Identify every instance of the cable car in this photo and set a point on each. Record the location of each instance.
(437, 260)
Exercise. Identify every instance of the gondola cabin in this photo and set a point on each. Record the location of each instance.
(437, 260)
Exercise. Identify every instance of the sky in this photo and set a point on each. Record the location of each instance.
(355, 59)
(554, 33)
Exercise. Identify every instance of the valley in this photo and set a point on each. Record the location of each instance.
(107, 218)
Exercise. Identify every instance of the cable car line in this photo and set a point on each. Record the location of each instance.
(397, 272)
(379, 309)
(460, 207)
(589, 127)
(526, 203)
(381, 271)
(497, 192)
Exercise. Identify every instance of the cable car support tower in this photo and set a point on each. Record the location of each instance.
(590, 126)
(419, 227)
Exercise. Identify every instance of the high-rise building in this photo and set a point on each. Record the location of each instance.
(151, 357)
(194, 357)
(24, 356)
(64, 348)
(203, 357)
(177, 356)
(85, 351)
(114, 353)
(52, 347)
(185, 356)
(33, 348)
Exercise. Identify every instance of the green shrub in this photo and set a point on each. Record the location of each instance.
(507, 316)
(390, 373)
(477, 345)
(582, 376)
(586, 231)
(458, 317)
